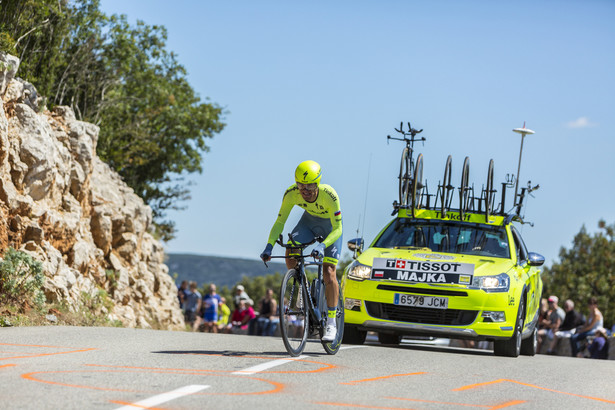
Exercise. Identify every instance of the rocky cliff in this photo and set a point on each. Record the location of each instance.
(60, 203)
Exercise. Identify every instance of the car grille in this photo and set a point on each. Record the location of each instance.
(451, 317)
(423, 291)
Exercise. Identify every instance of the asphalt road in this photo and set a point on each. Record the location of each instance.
(110, 368)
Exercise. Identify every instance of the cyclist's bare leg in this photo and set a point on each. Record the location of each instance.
(331, 285)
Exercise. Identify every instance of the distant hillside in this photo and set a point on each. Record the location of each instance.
(219, 270)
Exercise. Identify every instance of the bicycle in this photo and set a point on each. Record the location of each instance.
(303, 306)
(410, 173)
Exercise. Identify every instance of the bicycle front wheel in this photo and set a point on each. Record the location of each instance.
(294, 320)
(334, 346)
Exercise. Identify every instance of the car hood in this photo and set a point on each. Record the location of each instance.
(483, 265)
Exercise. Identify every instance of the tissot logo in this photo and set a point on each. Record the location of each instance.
(400, 265)
(390, 263)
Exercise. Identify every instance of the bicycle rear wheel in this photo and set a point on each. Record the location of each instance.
(294, 320)
(334, 346)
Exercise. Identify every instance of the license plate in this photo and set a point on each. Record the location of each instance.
(421, 301)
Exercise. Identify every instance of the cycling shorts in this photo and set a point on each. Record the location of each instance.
(309, 227)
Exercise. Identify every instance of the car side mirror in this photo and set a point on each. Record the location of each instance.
(356, 245)
(535, 259)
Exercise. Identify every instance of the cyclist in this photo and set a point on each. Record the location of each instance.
(322, 217)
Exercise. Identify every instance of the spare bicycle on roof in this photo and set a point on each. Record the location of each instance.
(414, 192)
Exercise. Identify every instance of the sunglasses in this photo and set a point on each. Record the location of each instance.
(307, 187)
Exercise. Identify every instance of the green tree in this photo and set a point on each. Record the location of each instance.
(153, 124)
(587, 269)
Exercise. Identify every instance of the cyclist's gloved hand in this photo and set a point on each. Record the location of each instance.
(319, 251)
(266, 255)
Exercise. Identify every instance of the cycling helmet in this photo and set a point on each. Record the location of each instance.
(308, 172)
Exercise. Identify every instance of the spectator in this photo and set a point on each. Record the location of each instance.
(599, 347)
(181, 293)
(224, 314)
(594, 321)
(241, 317)
(192, 304)
(572, 320)
(267, 321)
(240, 293)
(211, 301)
(543, 315)
(553, 321)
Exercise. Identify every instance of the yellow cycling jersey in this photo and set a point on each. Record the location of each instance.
(326, 205)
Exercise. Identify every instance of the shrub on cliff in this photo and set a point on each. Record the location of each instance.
(21, 279)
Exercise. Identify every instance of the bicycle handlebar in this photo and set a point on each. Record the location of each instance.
(295, 245)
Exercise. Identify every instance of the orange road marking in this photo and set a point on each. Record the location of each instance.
(382, 377)
(7, 365)
(498, 406)
(277, 387)
(363, 406)
(437, 402)
(41, 354)
(125, 403)
(325, 366)
(473, 386)
(508, 404)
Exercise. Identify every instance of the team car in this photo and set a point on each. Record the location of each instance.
(439, 272)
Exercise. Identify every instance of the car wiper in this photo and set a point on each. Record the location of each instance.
(413, 248)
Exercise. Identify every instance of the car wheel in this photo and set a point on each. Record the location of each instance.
(512, 346)
(389, 339)
(353, 336)
(530, 345)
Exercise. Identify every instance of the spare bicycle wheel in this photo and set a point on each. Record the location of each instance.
(489, 192)
(417, 185)
(464, 190)
(446, 188)
(293, 311)
(405, 177)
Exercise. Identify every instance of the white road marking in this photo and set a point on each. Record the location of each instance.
(351, 347)
(267, 365)
(164, 397)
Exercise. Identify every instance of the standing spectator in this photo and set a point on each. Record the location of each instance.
(211, 301)
(594, 321)
(553, 321)
(599, 348)
(181, 293)
(572, 320)
(192, 304)
(240, 293)
(241, 318)
(224, 314)
(267, 321)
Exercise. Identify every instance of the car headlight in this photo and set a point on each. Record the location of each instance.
(497, 283)
(358, 271)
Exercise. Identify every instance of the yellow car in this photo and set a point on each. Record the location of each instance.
(437, 276)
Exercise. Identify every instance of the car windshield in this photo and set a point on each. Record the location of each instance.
(451, 237)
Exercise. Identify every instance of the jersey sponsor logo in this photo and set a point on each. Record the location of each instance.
(331, 194)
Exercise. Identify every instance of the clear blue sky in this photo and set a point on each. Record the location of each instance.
(328, 80)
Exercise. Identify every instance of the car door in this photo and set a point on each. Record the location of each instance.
(531, 276)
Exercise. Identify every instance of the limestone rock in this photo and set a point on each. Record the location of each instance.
(60, 203)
